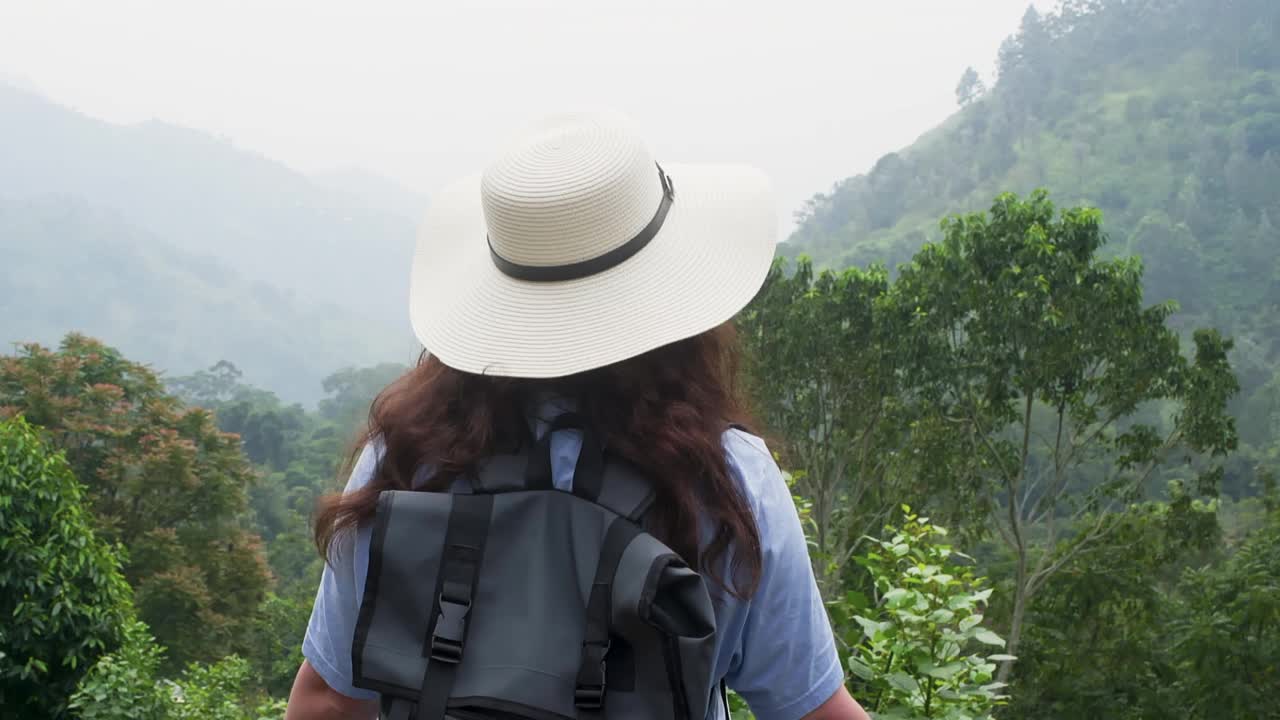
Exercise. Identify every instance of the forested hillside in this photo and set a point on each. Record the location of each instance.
(1164, 114)
(960, 354)
(70, 265)
(185, 250)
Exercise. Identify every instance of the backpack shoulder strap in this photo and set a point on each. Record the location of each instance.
(624, 490)
(598, 476)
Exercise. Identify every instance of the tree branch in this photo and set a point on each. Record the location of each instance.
(1100, 530)
(995, 520)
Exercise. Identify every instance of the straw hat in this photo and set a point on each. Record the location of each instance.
(577, 249)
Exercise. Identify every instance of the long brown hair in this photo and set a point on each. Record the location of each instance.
(664, 411)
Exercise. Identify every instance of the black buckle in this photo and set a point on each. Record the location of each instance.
(451, 625)
(588, 694)
(588, 697)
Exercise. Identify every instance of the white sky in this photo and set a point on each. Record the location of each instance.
(422, 91)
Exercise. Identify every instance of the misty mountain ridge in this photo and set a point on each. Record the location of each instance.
(183, 250)
(203, 194)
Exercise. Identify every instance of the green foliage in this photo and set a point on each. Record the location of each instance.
(1097, 642)
(1173, 622)
(1012, 379)
(162, 480)
(822, 367)
(63, 599)
(1160, 113)
(298, 454)
(738, 708)
(920, 650)
(275, 651)
(126, 685)
(212, 691)
(1039, 365)
(970, 87)
(1226, 632)
(351, 390)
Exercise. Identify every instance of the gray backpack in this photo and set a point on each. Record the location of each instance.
(508, 598)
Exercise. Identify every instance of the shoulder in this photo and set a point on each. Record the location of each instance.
(366, 464)
(764, 486)
(745, 449)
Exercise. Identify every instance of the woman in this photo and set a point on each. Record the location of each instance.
(577, 273)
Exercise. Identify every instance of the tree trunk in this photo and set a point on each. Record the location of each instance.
(1020, 601)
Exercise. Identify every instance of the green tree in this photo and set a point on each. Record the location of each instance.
(276, 650)
(1226, 632)
(63, 599)
(1038, 362)
(969, 88)
(297, 453)
(821, 364)
(1097, 643)
(1147, 109)
(917, 648)
(350, 392)
(125, 684)
(1171, 260)
(209, 388)
(161, 479)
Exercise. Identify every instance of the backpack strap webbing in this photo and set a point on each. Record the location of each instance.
(586, 474)
(598, 476)
(624, 490)
(459, 566)
(589, 689)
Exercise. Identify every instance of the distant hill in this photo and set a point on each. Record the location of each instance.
(182, 249)
(203, 194)
(1163, 113)
(71, 266)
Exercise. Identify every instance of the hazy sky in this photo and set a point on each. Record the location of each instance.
(422, 91)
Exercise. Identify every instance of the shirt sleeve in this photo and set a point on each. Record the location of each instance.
(327, 644)
(786, 663)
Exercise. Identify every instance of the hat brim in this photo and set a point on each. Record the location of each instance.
(705, 264)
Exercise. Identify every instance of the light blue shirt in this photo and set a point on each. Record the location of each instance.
(775, 649)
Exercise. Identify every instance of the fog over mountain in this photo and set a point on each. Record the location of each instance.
(183, 249)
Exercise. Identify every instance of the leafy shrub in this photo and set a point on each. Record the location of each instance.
(275, 651)
(1224, 631)
(63, 599)
(125, 685)
(912, 650)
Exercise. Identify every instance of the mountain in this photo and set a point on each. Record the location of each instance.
(202, 194)
(71, 266)
(1163, 113)
(183, 250)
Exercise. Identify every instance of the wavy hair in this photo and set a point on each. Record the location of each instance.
(664, 411)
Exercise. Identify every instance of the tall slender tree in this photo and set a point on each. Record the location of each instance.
(1041, 359)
